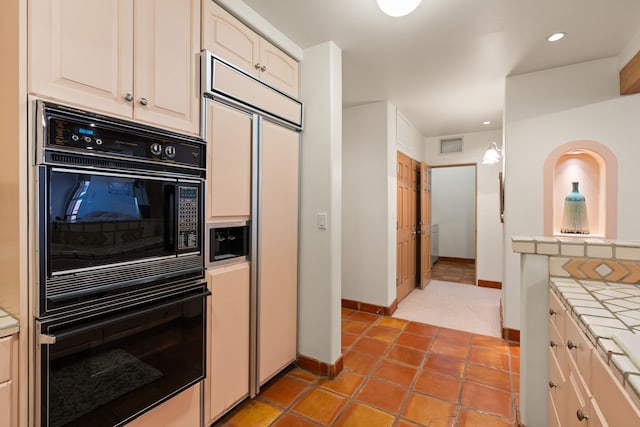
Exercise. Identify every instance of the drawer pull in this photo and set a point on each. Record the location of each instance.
(552, 344)
(552, 312)
(552, 384)
(571, 345)
(581, 416)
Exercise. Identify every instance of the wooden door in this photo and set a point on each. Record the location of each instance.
(167, 64)
(280, 70)
(424, 225)
(229, 39)
(229, 136)
(81, 53)
(227, 379)
(278, 250)
(407, 226)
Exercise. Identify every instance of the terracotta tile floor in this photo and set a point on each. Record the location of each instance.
(396, 373)
(454, 270)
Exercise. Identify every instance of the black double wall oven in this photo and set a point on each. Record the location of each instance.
(120, 299)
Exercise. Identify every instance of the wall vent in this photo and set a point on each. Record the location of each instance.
(451, 145)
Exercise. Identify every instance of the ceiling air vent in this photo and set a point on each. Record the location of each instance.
(451, 145)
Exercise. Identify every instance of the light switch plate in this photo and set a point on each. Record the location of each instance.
(322, 221)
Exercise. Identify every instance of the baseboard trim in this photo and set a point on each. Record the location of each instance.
(370, 308)
(511, 334)
(320, 368)
(460, 260)
(489, 284)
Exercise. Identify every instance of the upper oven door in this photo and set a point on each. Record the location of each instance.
(94, 219)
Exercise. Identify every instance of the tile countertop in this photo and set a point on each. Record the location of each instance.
(599, 282)
(603, 309)
(8, 324)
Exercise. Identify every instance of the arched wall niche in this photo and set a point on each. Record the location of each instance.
(595, 167)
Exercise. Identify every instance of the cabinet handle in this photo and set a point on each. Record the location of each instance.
(552, 343)
(128, 97)
(263, 68)
(258, 66)
(144, 101)
(581, 416)
(552, 384)
(552, 312)
(571, 345)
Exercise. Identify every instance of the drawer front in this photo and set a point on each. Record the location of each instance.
(557, 345)
(557, 312)
(614, 402)
(578, 348)
(554, 419)
(557, 390)
(5, 359)
(577, 400)
(5, 404)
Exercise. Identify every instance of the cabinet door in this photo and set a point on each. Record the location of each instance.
(6, 404)
(81, 53)
(229, 134)
(167, 46)
(229, 39)
(280, 70)
(227, 379)
(278, 250)
(182, 410)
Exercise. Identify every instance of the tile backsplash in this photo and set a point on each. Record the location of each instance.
(590, 259)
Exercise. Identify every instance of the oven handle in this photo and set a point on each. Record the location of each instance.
(48, 339)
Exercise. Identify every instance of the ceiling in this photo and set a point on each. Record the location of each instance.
(444, 65)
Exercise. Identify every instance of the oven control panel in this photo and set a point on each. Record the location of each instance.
(65, 129)
(188, 217)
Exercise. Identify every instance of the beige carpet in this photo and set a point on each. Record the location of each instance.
(454, 305)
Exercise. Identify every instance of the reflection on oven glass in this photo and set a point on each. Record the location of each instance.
(111, 375)
(97, 220)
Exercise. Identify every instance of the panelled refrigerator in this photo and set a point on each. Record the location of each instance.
(252, 134)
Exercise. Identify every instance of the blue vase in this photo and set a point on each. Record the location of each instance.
(574, 216)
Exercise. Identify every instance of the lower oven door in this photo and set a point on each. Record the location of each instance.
(107, 371)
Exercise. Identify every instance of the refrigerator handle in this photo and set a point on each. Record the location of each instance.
(254, 345)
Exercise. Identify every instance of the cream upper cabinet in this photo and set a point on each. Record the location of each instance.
(133, 59)
(229, 39)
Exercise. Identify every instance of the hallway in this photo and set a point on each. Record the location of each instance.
(396, 373)
(454, 270)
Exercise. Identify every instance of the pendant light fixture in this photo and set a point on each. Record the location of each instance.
(398, 7)
(492, 155)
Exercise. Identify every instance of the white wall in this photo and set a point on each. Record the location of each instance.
(319, 317)
(549, 108)
(369, 185)
(489, 245)
(453, 208)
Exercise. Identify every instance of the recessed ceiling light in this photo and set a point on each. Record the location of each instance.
(555, 37)
(486, 122)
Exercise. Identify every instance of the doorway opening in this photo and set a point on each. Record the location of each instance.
(453, 213)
